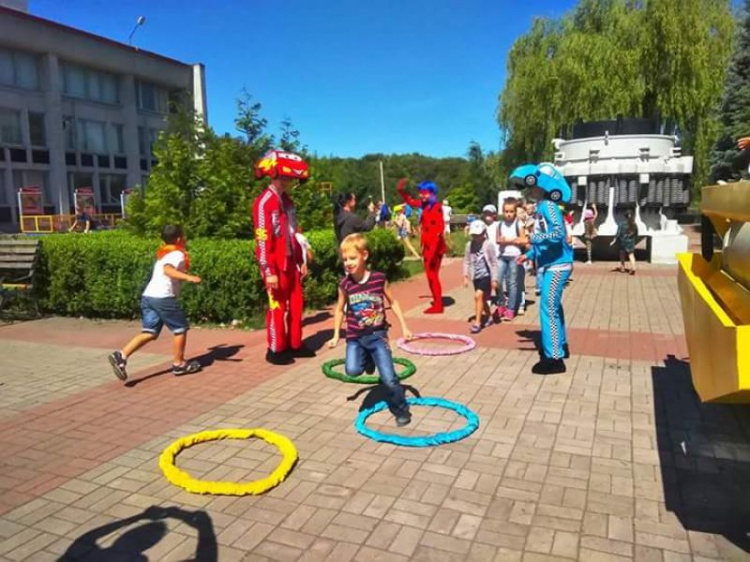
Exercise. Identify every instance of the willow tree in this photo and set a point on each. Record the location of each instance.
(648, 58)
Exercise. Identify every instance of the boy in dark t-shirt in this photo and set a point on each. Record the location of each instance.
(364, 293)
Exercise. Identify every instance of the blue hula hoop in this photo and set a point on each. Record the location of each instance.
(472, 424)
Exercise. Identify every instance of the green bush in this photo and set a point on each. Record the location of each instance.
(103, 274)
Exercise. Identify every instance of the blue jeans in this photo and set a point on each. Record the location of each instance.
(508, 273)
(374, 347)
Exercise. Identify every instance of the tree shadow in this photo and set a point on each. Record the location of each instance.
(220, 352)
(150, 530)
(377, 393)
(704, 454)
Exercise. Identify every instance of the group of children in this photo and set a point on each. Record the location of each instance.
(491, 262)
(497, 255)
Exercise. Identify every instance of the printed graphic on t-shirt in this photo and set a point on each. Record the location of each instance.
(367, 309)
(366, 305)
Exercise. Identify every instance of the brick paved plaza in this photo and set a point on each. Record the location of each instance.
(614, 460)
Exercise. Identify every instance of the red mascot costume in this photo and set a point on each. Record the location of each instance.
(433, 239)
(279, 254)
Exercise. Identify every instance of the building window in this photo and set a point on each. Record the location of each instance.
(152, 97)
(69, 130)
(19, 69)
(79, 179)
(116, 139)
(90, 136)
(146, 140)
(89, 84)
(37, 131)
(3, 194)
(10, 126)
(110, 187)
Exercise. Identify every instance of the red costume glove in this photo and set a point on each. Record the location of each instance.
(401, 185)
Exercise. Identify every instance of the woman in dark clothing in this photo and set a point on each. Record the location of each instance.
(627, 234)
(346, 221)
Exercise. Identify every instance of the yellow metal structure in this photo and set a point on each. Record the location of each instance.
(716, 300)
(45, 224)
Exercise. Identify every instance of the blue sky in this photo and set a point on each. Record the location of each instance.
(355, 76)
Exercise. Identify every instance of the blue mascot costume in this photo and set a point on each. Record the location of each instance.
(553, 256)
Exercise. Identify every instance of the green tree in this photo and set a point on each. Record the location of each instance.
(639, 58)
(734, 114)
(289, 136)
(250, 123)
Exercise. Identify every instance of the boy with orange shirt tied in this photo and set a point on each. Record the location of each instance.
(159, 305)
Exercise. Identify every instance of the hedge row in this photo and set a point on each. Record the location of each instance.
(103, 274)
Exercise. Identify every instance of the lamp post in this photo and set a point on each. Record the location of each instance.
(139, 22)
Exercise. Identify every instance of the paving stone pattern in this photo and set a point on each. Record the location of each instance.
(614, 460)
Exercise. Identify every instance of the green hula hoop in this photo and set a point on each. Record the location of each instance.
(328, 370)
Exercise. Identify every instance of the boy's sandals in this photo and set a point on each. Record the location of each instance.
(186, 368)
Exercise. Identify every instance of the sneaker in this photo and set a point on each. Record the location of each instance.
(496, 316)
(549, 367)
(475, 329)
(589, 262)
(403, 419)
(279, 357)
(303, 351)
(488, 322)
(186, 368)
(119, 363)
(508, 316)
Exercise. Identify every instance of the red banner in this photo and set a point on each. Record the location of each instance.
(30, 200)
(85, 201)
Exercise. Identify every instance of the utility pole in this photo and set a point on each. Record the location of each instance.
(382, 182)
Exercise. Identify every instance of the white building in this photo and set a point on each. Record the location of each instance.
(80, 110)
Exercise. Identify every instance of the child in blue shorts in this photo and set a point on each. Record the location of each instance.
(159, 305)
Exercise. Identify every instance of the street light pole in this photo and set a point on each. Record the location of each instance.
(139, 22)
(382, 182)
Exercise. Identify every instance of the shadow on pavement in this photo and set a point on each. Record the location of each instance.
(377, 393)
(530, 336)
(220, 352)
(704, 454)
(150, 530)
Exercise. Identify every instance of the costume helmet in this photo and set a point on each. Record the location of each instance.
(544, 176)
(277, 163)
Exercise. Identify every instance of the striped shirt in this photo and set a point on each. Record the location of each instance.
(365, 300)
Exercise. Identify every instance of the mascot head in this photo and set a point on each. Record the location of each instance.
(544, 180)
(279, 164)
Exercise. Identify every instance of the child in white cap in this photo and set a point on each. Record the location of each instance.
(480, 267)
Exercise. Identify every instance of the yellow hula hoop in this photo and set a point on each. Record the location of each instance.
(182, 479)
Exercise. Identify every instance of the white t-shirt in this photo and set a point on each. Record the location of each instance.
(492, 236)
(304, 244)
(447, 212)
(510, 231)
(161, 286)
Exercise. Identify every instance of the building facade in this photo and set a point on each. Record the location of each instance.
(78, 110)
